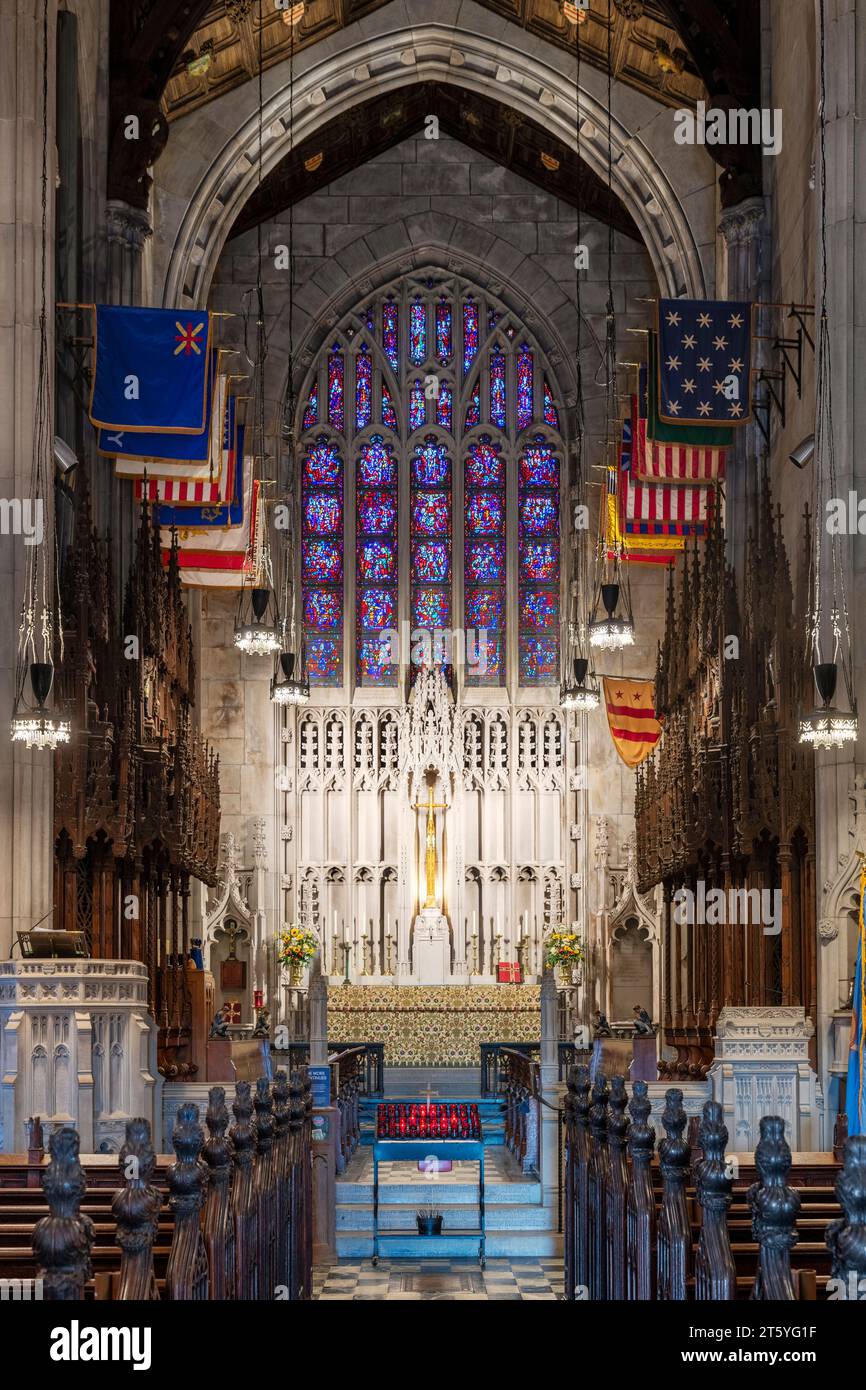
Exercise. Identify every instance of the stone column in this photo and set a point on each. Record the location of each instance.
(318, 1002)
(846, 281)
(744, 230)
(25, 777)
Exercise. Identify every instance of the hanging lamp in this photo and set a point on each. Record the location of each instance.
(257, 623)
(33, 723)
(826, 725)
(611, 625)
(579, 688)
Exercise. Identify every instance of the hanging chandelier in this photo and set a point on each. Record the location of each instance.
(289, 691)
(581, 691)
(616, 629)
(256, 630)
(579, 688)
(611, 625)
(33, 724)
(258, 624)
(827, 726)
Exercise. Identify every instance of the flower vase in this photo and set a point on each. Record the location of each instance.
(296, 973)
(564, 968)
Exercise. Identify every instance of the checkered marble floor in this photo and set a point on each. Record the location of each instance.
(419, 1281)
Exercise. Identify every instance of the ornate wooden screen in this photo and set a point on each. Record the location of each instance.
(136, 791)
(727, 799)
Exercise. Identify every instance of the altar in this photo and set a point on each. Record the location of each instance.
(435, 1025)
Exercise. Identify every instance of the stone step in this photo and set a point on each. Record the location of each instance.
(442, 1194)
(358, 1245)
(517, 1217)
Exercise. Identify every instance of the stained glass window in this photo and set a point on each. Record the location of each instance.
(484, 562)
(473, 409)
(417, 332)
(445, 407)
(551, 414)
(336, 410)
(377, 658)
(311, 413)
(417, 406)
(363, 388)
(497, 387)
(470, 333)
(430, 529)
(322, 560)
(389, 414)
(524, 387)
(439, 324)
(391, 333)
(538, 563)
(444, 349)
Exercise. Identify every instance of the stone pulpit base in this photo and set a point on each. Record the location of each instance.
(762, 1067)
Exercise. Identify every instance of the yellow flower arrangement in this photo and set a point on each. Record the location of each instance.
(295, 946)
(563, 948)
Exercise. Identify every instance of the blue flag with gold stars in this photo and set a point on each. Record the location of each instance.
(704, 361)
(150, 369)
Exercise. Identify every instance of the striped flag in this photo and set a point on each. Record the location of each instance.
(218, 558)
(187, 492)
(669, 453)
(657, 509)
(631, 718)
(649, 550)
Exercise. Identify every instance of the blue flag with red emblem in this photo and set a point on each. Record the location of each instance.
(704, 361)
(150, 370)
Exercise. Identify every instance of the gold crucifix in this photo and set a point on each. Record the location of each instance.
(430, 858)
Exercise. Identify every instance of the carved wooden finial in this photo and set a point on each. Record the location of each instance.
(640, 1223)
(186, 1276)
(846, 1238)
(581, 1096)
(715, 1272)
(62, 1240)
(617, 1120)
(598, 1110)
(136, 1211)
(243, 1194)
(674, 1231)
(775, 1207)
(217, 1226)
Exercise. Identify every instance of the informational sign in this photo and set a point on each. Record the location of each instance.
(320, 1082)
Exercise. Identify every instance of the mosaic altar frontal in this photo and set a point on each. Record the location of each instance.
(435, 1025)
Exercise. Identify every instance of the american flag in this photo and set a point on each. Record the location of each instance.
(657, 509)
(670, 462)
(704, 361)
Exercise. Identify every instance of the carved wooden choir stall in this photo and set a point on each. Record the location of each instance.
(230, 1219)
(726, 801)
(136, 801)
(692, 1224)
